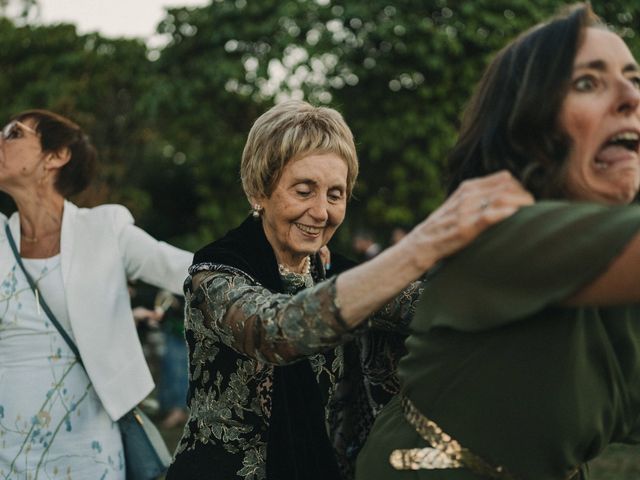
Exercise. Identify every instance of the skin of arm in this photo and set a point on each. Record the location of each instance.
(617, 285)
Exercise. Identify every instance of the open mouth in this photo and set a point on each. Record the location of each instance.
(618, 148)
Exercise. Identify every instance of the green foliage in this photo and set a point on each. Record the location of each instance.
(171, 123)
(95, 81)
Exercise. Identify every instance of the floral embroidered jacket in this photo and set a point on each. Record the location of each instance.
(279, 387)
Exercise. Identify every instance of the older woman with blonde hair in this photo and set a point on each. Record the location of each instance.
(289, 367)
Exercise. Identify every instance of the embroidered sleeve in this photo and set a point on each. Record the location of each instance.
(270, 327)
(397, 314)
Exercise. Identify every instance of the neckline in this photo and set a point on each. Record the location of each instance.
(284, 271)
(41, 259)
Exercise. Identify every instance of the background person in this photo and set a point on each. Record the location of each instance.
(397, 234)
(523, 354)
(278, 353)
(173, 381)
(63, 418)
(364, 245)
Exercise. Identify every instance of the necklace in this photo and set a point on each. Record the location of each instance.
(293, 281)
(305, 270)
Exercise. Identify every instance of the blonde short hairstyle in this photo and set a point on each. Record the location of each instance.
(290, 131)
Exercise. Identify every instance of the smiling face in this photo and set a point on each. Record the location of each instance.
(601, 116)
(305, 208)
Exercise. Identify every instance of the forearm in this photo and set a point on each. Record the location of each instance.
(270, 327)
(366, 289)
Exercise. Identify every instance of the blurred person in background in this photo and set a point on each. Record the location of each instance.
(397, 234)
(365, 246)
(56, 416)
(173, 374)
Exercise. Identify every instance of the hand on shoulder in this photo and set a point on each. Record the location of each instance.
(475, 206)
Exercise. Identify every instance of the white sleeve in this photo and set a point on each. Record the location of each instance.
(148, 259)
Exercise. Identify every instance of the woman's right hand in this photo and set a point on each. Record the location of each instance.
(475, 206)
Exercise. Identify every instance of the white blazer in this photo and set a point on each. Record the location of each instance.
(100, 248)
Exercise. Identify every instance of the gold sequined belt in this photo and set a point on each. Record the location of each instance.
(444, 452)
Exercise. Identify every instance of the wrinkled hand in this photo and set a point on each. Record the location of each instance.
(476, 205)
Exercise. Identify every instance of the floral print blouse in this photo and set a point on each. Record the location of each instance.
(229, 314)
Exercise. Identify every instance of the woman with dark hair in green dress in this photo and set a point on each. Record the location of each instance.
(524, 354)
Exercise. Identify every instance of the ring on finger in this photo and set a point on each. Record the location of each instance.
(484, 203)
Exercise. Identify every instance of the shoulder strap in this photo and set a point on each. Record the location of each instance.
(39, 298)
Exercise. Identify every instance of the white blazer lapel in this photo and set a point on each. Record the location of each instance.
(14, 226)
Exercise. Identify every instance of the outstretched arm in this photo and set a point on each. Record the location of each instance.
(279, 328)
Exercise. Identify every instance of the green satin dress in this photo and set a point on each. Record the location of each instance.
(506, 370)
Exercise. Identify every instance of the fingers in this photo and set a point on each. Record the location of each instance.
(475, 206)
(499, 189)
(503, 199)
(325, 257)
(495, 215)
(496, 183)
(502, 180)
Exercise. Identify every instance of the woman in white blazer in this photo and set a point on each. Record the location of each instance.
(55, 416)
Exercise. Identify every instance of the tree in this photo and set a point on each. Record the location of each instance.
(97, 82)
(171, 123)
(400, 71)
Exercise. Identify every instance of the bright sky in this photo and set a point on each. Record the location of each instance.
(112, 18)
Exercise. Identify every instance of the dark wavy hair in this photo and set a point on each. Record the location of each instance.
(56, 133)
(511, 121)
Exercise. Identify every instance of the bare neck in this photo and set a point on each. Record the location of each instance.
(40, 223)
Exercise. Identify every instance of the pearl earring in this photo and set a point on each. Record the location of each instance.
(255, 210)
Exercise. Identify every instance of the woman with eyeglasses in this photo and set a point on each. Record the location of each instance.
(56, 416)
